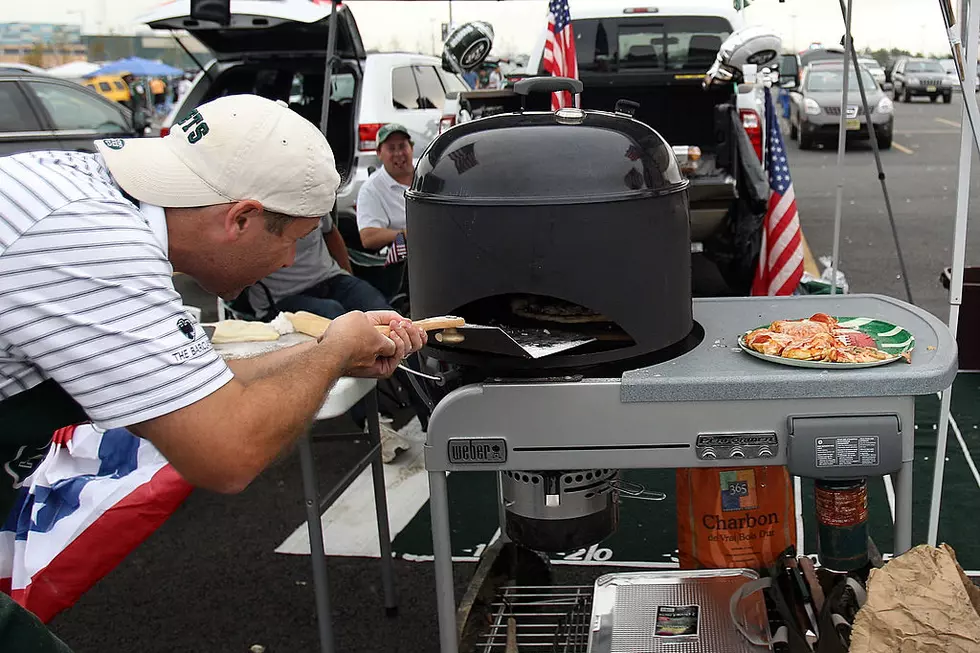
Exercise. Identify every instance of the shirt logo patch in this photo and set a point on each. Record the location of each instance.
(114, 143)
(186, 327)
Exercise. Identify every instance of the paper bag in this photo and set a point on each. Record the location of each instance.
(919, 602)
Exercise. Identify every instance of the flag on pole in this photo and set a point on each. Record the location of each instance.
(781, 256)
(559, 50)
(397, 251)
(95, 496)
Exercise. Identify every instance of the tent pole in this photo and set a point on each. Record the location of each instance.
(331, 50)
(841, 141)
(971, 27)
(881, 170)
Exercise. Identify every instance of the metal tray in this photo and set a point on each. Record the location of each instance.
(625, 609)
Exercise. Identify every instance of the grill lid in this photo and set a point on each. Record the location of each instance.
(568, 156)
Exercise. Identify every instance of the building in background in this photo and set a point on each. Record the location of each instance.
(48, 45)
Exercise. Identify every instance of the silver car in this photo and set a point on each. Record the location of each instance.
(815, 110)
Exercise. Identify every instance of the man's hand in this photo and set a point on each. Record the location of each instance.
(366, 352)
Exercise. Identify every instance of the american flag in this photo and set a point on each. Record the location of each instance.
(397, 251)
(781, 257)
(559, 50)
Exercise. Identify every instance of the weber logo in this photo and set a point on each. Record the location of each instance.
(466, 451)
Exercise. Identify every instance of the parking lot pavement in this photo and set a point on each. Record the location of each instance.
(921, 176)
(209, 580)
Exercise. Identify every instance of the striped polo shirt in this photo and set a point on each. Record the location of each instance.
(87, 298)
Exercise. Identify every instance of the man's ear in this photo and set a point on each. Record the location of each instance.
(241, 217)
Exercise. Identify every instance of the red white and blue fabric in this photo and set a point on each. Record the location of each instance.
(559, 50)
(95, 497)
(397, 250)
(781, 257)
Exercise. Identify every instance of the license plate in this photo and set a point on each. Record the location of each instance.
(930, 89)
(853, 125)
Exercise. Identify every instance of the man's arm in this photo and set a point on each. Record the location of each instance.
(224, 440)
(337, 248)
(249, 369)
(378, 237)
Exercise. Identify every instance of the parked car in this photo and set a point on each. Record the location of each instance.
(949, 67)
(277, 51)
(38, 112)
(111, 87)
(14, 67)
(815, 109)
(875, 68)
(917, 77)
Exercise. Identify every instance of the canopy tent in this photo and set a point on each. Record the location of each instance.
(137, 66)
(74, 69)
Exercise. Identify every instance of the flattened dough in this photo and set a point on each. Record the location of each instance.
(308, 323)
(241, 331)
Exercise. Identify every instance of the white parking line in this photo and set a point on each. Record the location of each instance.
(966, 450)
(890, 493)
(901, 148)
(951, 123)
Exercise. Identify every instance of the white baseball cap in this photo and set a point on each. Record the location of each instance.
(234, 148)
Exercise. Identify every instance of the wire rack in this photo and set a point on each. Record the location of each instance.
(547, 619)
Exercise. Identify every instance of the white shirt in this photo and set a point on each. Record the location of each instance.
(381, 202)
(87, 297)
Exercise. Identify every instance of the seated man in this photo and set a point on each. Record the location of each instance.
(318, 281)
(381, 200)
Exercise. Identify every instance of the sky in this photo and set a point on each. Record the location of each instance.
(915, 25)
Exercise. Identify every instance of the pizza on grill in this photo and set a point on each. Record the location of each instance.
(554, 310)
(816, 338)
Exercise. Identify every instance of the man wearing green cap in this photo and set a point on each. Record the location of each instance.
(381, 200)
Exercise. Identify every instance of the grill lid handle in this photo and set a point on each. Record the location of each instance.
(546, 85)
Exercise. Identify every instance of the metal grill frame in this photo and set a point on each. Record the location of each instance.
(559, 616)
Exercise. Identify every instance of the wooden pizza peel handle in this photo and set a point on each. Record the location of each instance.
(315, 325)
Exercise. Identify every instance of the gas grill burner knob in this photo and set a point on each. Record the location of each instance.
(765, 452)
(708, 454)
(736, 453)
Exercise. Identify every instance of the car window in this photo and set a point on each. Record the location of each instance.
(924, 67)
(833, 80)
(15, 113)
(452, 82)
(342, 87)
(404, 92)
(119, 86)
(104, 86)
(431, 93)
(666, 43)
(74, 109)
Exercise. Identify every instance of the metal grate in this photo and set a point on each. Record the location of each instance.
(548, 619)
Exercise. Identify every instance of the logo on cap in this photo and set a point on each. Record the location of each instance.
(114, 143)
(186, 327)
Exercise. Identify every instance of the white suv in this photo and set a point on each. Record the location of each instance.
(276, 49)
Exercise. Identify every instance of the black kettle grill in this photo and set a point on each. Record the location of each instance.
(561, 225)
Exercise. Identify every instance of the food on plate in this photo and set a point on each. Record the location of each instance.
(228, 331)
(816, 338)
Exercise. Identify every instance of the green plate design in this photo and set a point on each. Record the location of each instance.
(887, 336)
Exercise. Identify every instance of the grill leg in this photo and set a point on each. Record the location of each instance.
(381, 506)
(442, 550)
(317, 554)
(903, 508)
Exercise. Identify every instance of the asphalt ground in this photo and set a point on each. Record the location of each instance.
(208, 579)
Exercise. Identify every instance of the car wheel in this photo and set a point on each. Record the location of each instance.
(947, 98)
(885, 143)
(806, 142)
(933, 98)
(907, 97)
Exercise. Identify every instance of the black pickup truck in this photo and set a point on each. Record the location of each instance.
(659, 62)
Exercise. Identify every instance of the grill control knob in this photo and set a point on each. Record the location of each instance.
(765, 452)
(736, 453)
(708, 454)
